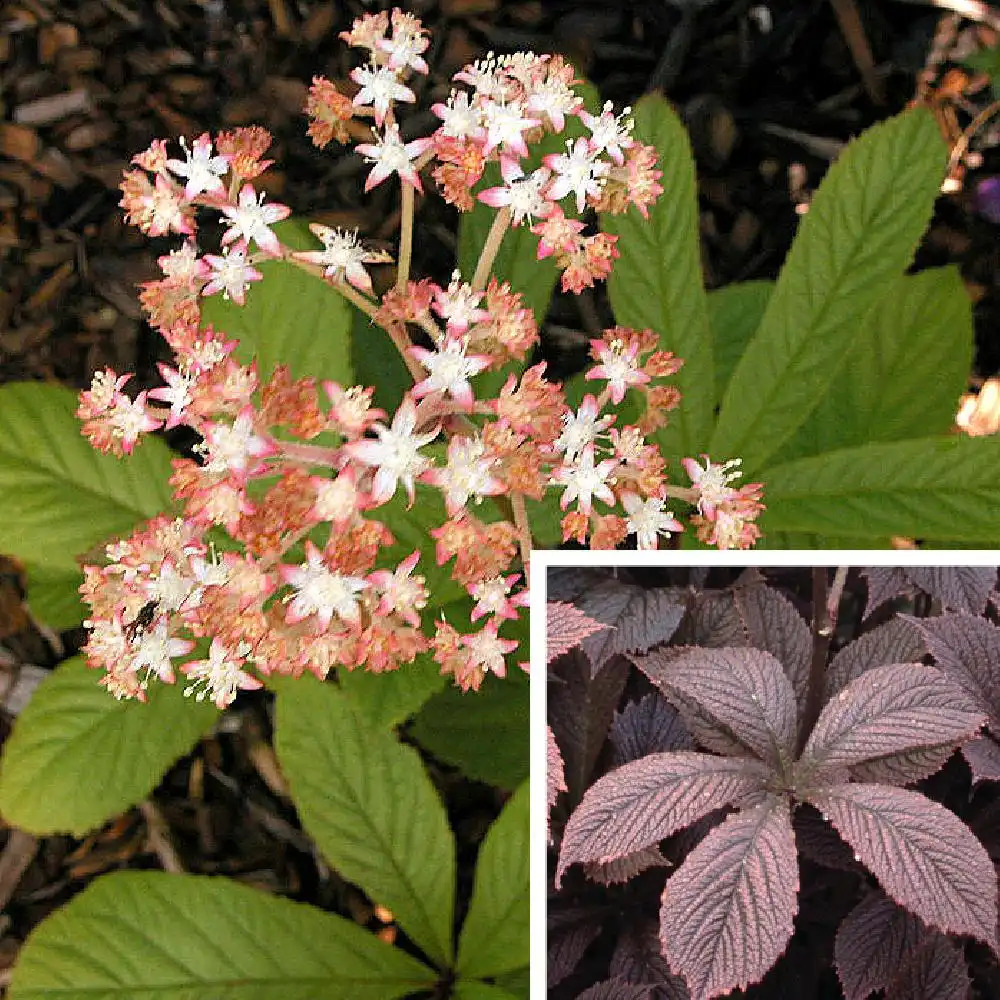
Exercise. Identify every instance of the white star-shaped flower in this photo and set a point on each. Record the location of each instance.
(584, 481)
(396, 454)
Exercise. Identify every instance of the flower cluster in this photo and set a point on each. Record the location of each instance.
(300, 484)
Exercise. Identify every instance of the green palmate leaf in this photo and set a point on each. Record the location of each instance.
(909, 365)
(290, 318)
(517, 260)
(60, 496)
(657, 281)
(53, 594)
(495, 933)
(859, 235)
(469, 989)
(388, 699)
(93, 756)
(483, 733)
(163, 937)
(371, 808)
(518, 983)
(734, 313)
(941, 488)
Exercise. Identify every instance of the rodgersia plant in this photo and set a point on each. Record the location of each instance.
(295, 479)
(742, 746)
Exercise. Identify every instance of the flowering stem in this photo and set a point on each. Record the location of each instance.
(490, 249)
(686, 493)
(405, 238)
(523, 528)
(310, 453)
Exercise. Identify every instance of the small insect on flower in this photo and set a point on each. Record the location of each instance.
(146, 616)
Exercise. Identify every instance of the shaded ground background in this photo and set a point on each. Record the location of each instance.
(770, 93)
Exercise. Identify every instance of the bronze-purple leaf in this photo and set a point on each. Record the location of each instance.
(571, 933)
(555, 778)
(637, 618)
(886, 714)
(923, 856)
(936, 972)
(625, 869)
(771, 623)
(615, 989)
(566, 626)
(960, 588)
(638, 958)
(727, 912)
(744, 692)
(896, 641)
(580, 711)
(820, 843)
(650, 725)
(884, 583)
(872, 942)
(967, 648)
(983, 757)
(642, 802)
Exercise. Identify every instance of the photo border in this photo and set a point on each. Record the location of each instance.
(542, 560)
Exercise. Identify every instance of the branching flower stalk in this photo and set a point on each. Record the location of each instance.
(310, 576)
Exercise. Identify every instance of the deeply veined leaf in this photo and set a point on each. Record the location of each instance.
(896, 641)
(983, 758)
(744, 691)
(637, 617)
(290, 318)
(640, 803)
(94, 756)
(161, 936)
(967, 649)
(618, 871)
(638, 958)
(615, 989)
(860, 233)
(887, 713)
(566, 626)
(650, 725)
(371, 808)
(713, 621)
(60, 496)
(908, 367)
(567, 941)
(734, 313)
(960, 588)
(580, 708)
(771, 623)
(483, 733)
(923, 856)
(936, 972)
(884, 583)
(555, 776)
(494, 937)
(657, 280)
(727, 911)
(942, 488)
(873, 941)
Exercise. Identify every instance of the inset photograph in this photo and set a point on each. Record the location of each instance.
(772, 782)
